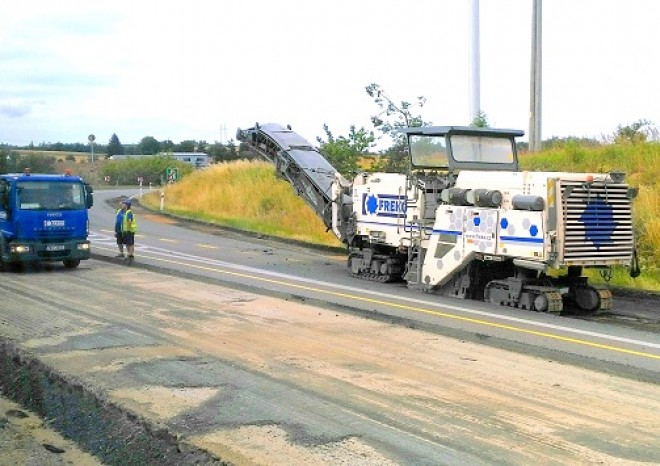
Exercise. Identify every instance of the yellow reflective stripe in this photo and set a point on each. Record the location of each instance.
(551, 192)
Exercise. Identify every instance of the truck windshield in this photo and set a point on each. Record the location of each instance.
(481, 149)
(428, 151)
(50, 195)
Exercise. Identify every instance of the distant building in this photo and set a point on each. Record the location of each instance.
(196, 159)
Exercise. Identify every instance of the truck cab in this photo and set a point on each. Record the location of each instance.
(44, 218)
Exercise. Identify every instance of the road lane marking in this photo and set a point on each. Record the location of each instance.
(206, 246)
(167, 240)
(243, 273)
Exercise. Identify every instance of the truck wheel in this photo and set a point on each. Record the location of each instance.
(13, 267)
(72, 264)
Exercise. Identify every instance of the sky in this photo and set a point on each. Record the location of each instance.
(198, 70)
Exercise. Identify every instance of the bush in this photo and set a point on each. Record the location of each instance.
(151, 169)
(36, 163)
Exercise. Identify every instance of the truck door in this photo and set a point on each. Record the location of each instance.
(5, 214)
(5, 196)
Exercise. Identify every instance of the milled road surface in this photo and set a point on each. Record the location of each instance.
(257, 380)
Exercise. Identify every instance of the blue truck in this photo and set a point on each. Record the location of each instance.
(44, 218)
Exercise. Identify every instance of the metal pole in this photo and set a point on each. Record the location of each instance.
(535, 140)
(474, 84)
(91, 138)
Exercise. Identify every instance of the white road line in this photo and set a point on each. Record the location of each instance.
(206, 246)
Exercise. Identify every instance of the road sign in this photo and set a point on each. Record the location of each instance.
(172, 174)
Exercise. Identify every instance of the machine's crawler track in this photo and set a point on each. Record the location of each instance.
(530, 297)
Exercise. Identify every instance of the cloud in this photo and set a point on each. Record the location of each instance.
(15, 111)
(198, 70)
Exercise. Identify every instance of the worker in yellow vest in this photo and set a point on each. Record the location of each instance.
(125, 228)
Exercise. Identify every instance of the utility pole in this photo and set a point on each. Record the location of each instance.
(535, 139)
(474, 84)
(223, 133)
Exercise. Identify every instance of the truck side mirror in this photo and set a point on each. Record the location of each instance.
(89, 196)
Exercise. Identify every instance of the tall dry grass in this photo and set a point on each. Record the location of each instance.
(639, 161)
(244, 195)
(647, 224)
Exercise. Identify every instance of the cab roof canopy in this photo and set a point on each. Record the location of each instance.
(467, 130)
(489, 156)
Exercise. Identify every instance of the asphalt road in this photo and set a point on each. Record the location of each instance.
(216, 346)
(143, 367)
(629, 340)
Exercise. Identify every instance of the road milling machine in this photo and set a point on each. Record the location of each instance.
(464, 221)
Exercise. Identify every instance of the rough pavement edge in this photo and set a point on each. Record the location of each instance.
(98, 426)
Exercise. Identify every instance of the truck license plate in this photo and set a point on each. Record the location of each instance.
(55, 247)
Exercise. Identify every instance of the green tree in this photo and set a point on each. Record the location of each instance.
(38, 163)
(186, 146)
(114, 146)
(393, 116)
(233, 152)
(167, 146)
(148, 146)
(4, 159)
(219, 152)
(13, 162)
(480, 120)
(394, 159)
(344, 153)
(388, 121)
(227, 152)
(151, 169)
(633, 133)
